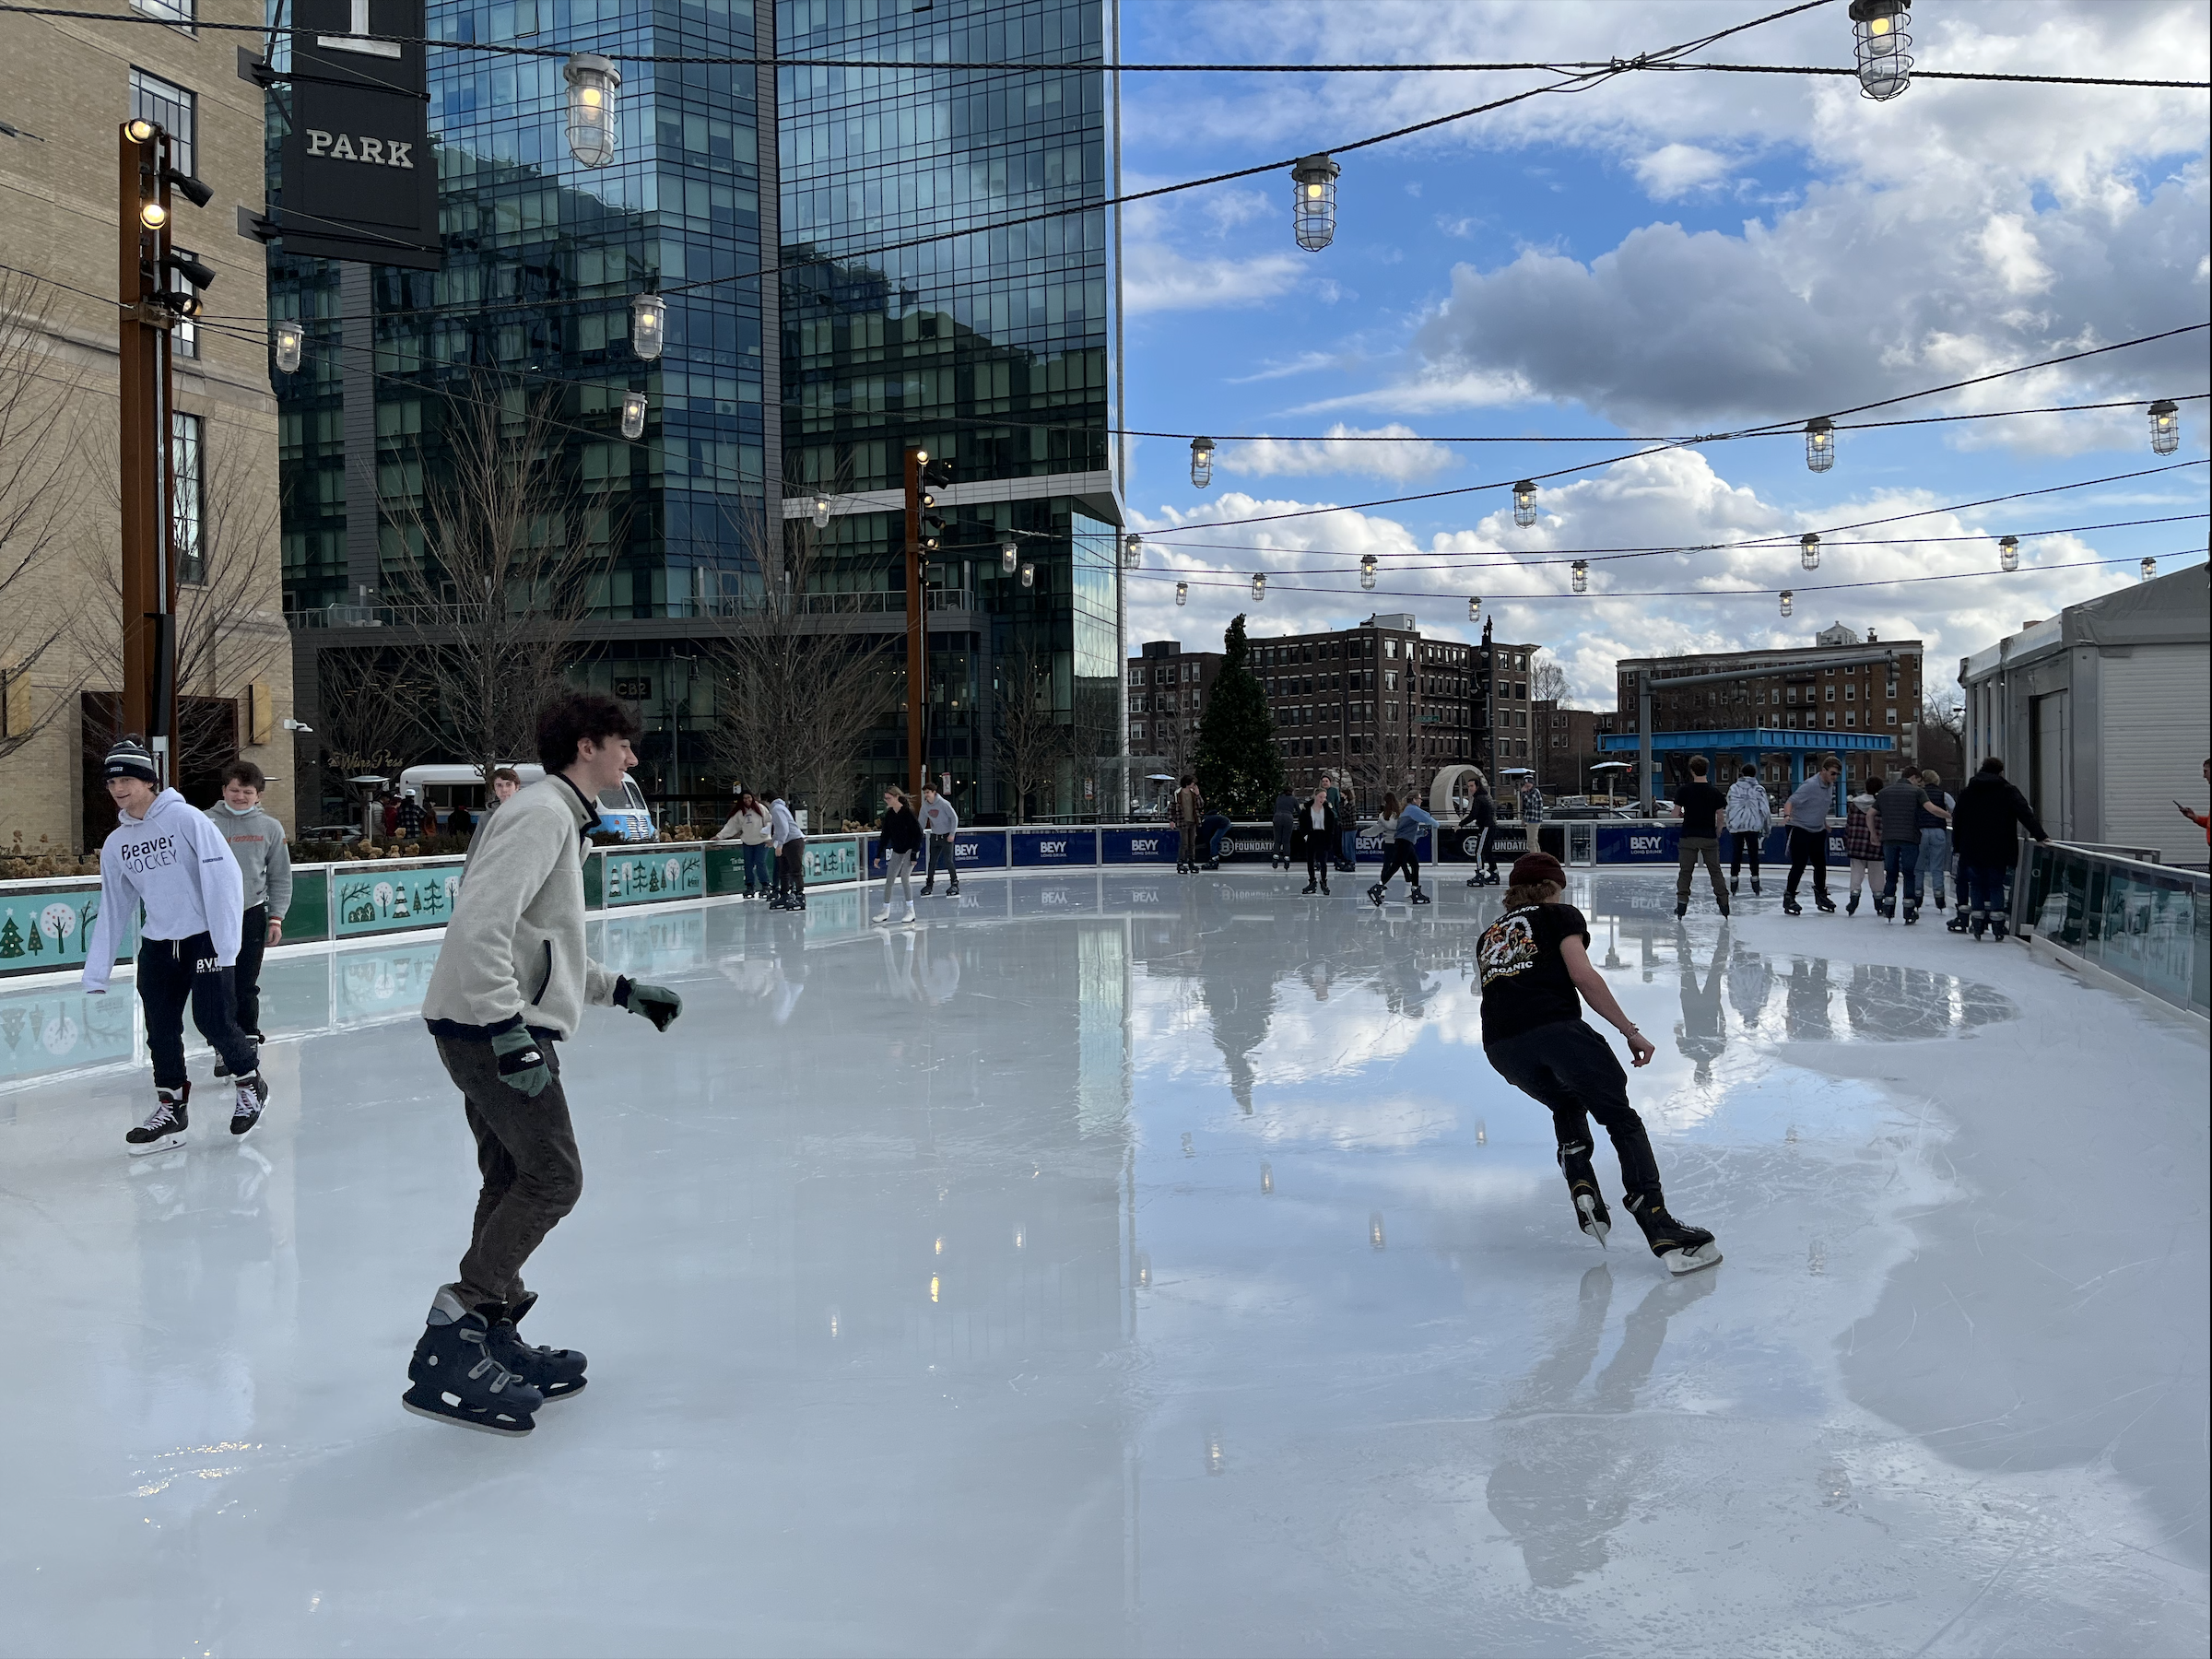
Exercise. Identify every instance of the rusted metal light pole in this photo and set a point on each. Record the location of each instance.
(148, 484)
(924, 534)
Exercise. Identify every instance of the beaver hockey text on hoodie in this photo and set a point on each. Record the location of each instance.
(176, 864)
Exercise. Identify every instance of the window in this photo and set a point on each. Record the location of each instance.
(1831, 717)
(1832, 695)
(171, 108)
(1390, 680)
(1850, 717)
(1136, 731)
(179, 12)
(1137, 704)
(188, 512)
(1850, 694)
(1389, 648)
(184, 338)
(1892, 719)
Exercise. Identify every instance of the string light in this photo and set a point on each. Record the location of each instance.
(1029, 575)
(1524, 503)
(1183, 592)
(1133, 552)
(1808, 550)
(2165, 426)
(1367, 571)
(1789, 599)
(1582, 575)
(1202, 462)
(595, 91)
(2150, 569)
(287, 339)
(648, 325)
(821, 512)
(2008, 553)
(1885, 70)
(1819, 444)
(1007, 555)
(1313, 202)
(1259, 587)
(1475, 608)
(633, 415)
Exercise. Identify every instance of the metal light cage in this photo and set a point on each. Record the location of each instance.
(633, 415)
(595, 99)
(1008, 556)
(1367, 571)
(2008, 553)
(1029, 575)
(1183, 592)
(648, 325)
(1475, 607)
(1808, 551)
(286, 339)
(1582, 575)
(2165, 426)
(1524, 503)
(1202, 462)
(1133, 552)
(2150, 569)
(1313, 202)
(1259, 587)
(1789, 599)
(1885, 66)
(1819, 444)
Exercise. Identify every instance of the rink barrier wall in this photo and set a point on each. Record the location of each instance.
(2147, 926)
(43, 924)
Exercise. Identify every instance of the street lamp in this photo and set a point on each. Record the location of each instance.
(633, 415)
(1788, 600)
(1202, 462)
(1819, 444)
(1183, 592)
(1008, 555)
(594, 94)
(2008, 553)
(648, 325)
(1259, 587)
(1582, 575)
(1808, 550)
(2150, 569)
(1367, 571)
(1884, 66)
(1525, 503)
(286, 339)
(1313, 202)
(821, 512)
(2165, 426)
(1475, 608)
(1133, 552)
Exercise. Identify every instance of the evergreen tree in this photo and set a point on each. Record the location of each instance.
(11, 938)
(1239, 768)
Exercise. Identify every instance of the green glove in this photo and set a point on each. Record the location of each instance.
(656, 1003)
(522, 1061)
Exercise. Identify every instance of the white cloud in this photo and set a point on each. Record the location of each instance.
(1340, 451)
(1675, 169)
(1156, 277)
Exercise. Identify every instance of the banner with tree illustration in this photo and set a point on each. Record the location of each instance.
(44, 928)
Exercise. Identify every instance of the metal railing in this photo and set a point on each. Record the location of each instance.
(2148, 923)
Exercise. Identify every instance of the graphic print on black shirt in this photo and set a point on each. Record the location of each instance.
(1525, 982)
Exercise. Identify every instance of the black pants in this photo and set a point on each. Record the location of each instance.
(1741, 841)
(1401, 856)
(245, 979)
(791, 869)
(1282, 844)
(172, 972)
(1808, 848)
(526, 1154)
(1317, 859)
(1573, 1070)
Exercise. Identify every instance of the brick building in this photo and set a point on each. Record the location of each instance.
(1565, 746)
(1168, 689)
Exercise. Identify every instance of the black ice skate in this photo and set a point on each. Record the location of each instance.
(1308, 888)
(456, 1379)
(1956, 924)
(1420, 897)
(1826, 904)
(253, 1095)
(1790, 907)
(1682, 1248)
(1912, 913)
(164, 1126)
(555, 1372)
(1589, 1212)
(1851, 907)
(1996, 928)
(1375, 895)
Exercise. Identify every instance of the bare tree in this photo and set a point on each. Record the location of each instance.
(42, 490)
(501, 546)
(801, 676)
(1390, 762)
(369, 714)
(1546, 679)
(1030, 739)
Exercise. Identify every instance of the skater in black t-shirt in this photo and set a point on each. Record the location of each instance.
(1534, 959)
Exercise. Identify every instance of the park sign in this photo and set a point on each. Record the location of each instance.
(361, 178)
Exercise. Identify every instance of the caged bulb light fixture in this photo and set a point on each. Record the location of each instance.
(1259, 587)
(633, 415)
(1819, 444)
(821, 512)
(1313, 202)
(2165, 426)
(1789, 600)
(1524, 503)
(1885, 66)
(1029, 575)
(648, 325)
(1582, 575)
(1808, 551)
(594, 95)
(1475, 607)
(1008, 555)
(2150, 569)
(1202, 462)
(1183, 592)
(2008, 553)
(1367, 571)
(286, 339)
(1133, 552)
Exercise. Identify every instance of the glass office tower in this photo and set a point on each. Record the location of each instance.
(994, 350)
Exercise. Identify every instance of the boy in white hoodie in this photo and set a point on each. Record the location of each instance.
(166, 856)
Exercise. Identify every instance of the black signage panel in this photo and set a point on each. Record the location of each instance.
(361, 178)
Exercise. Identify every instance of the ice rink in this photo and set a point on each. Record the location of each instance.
(1120, 1263)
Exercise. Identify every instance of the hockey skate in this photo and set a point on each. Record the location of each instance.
(1375, 895)
(1682, 1248)
(1755, 887)
(1979, 925)
(1790, 907)
(164, 1126)
(1589, 1212)
(253, 1095)
(556, 1373)
(1420, 897)
(1956, 924)
(455, 1378)
(1827, 905)
(1996, 928)
(1851, 905)
(1911, 912)
(1308, 888)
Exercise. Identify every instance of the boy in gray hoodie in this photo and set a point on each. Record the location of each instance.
(163, 855)
(264, 866)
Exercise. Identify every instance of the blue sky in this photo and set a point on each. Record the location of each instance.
(1664, 254)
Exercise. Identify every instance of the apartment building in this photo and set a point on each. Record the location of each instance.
(1564, 745)
(1168, 690)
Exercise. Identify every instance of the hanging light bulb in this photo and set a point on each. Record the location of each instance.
(1808, 550)
(1525, 503)
(1007, 555)
(1475, 608)
(2165, 426)
(633, 415)
(1367, 571)
(1183, 592)
(1029, 575)
(1133, 552)
(1582, 575)
(1788, 600)
(2150, 569)
(1884, 66)
(1202, 462)
(595, 91)
(2008, 553)
(1313, 202)
(648, 325)
(1819, 444)
(286, 339)
(1259, 587)
(821, 512)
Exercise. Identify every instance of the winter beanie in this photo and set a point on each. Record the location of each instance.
(129, 758)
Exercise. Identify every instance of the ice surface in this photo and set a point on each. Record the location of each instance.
(1128, 1265)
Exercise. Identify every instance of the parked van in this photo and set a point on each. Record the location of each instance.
(622, 811)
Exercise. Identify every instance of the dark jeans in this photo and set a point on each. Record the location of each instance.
(1740, 843)
(172, 972)
(1317, 859)
(526, 1153)
(791, 868)
(1984, 889)
(245, 978)
(939, 857)
(1401, 856)
(1186, 846)
(1282, 843)
(1905, 856)
(1350, 848)
(759, 866)
(1809, 848)
(1573, 1070)
(1692, 849)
